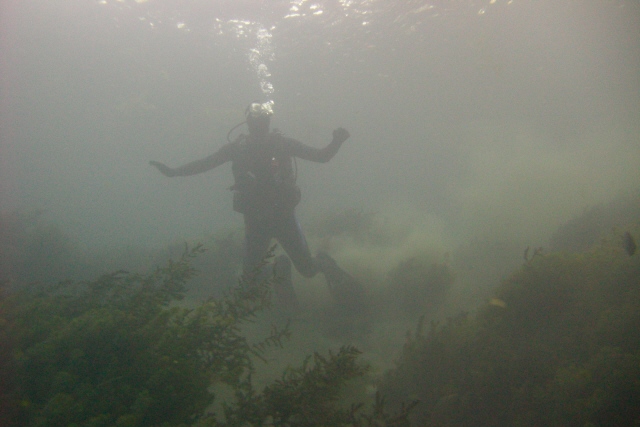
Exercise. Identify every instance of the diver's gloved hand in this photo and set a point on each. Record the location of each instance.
(164, 169)
(340, 135)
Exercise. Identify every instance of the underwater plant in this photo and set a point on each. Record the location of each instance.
(416, 287)
(558, 345)
(587, 229)
(32, 249)
(117, 351)
(120, 351)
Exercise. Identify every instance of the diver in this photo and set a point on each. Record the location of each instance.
(265, 192)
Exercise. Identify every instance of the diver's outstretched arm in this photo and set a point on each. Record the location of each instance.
(193, 168)
(340, 135)
(321, 155)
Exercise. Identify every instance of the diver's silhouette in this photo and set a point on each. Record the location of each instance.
(265, 192)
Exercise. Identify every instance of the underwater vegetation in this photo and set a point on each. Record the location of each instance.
(582, 232)
(35, 249)
(559, 345)
(218, 267)
(32, 250)
(417, 287)
(119, 351)
(555, 343)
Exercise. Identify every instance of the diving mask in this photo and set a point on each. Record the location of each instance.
(257, 110)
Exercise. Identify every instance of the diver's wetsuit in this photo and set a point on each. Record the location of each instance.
(266, 194)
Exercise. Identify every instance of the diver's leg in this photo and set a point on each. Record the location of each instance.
(345, 289)
(258, 234)
(291, 238)
(289, 235)
(256, 244)
(283, 285)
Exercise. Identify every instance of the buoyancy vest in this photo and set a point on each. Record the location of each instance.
(265, 179)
